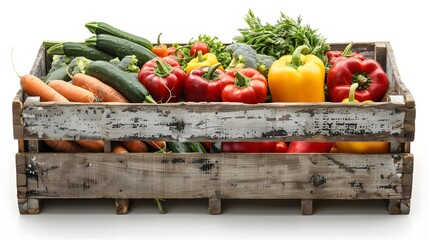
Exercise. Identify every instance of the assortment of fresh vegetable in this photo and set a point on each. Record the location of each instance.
(281, 62)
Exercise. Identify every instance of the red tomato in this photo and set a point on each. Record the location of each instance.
(199, 46)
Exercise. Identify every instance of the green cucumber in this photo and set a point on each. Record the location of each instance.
(78, 50)
(125, 83)
(120, 47)
(104, 28)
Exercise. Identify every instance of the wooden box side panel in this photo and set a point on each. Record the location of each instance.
(238, 176)
(217, 122)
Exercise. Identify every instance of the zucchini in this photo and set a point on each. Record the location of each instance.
(128, 85)
(104, 28)
(58, 74)
(183, 147)
(120, 47)
(78, 50)
(48, 44)
(178, 147)
(196, 147)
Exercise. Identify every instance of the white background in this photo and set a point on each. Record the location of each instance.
(25, 24)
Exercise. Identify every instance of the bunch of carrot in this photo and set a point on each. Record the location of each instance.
(86, 89)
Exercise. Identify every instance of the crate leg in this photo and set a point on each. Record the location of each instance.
(398, 206)
(215, 205)
(29, 206)
(122, 206)
(306, 206)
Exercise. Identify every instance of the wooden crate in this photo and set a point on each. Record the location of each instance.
(216, 176)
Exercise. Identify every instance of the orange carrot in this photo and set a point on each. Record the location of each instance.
(64, 146)
(71, 92)
(135, 146)
(91, 145)
(33, 86)
(104, 92)
(158, 145)
(118, 148)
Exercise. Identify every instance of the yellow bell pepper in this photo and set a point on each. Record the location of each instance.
(206, 60)
(297, 78)
(360, 147)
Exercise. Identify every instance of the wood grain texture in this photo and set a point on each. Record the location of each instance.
(382, 121)
(227, 176)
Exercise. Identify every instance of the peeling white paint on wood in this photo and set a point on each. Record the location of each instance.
(190, 122)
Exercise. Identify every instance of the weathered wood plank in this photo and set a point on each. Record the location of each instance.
(21, 180)
(39, 66)
(18, 128)
(229, 176)
(393, 74)
(306, 206)
(217, 121)
(408, 162)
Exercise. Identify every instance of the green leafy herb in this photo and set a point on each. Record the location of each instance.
(281, 38)
(217, 47)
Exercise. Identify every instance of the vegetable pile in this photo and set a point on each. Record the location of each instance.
(281, 62)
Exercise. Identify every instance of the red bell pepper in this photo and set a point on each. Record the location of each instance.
(336, 56)
(309, 147)
(203, 84)
(199, 46)
(254, 147)
(173, 52)
(373, 81)
(244, 85)
(164, 79)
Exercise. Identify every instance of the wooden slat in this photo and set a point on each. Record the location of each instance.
(408, 161)
(39, 65)
(393, 73)
(228, 176)
(18, 128)
(380, 54)
(217, 121)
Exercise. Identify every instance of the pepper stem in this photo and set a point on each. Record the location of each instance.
(162, 69)
(241, 80)
(348, 50)
(296, 56)
(210, 72)
(362, 79)
(353, 88)
(200, 56)
(159, 39)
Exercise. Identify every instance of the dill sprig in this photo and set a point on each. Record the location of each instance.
(281, 38)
